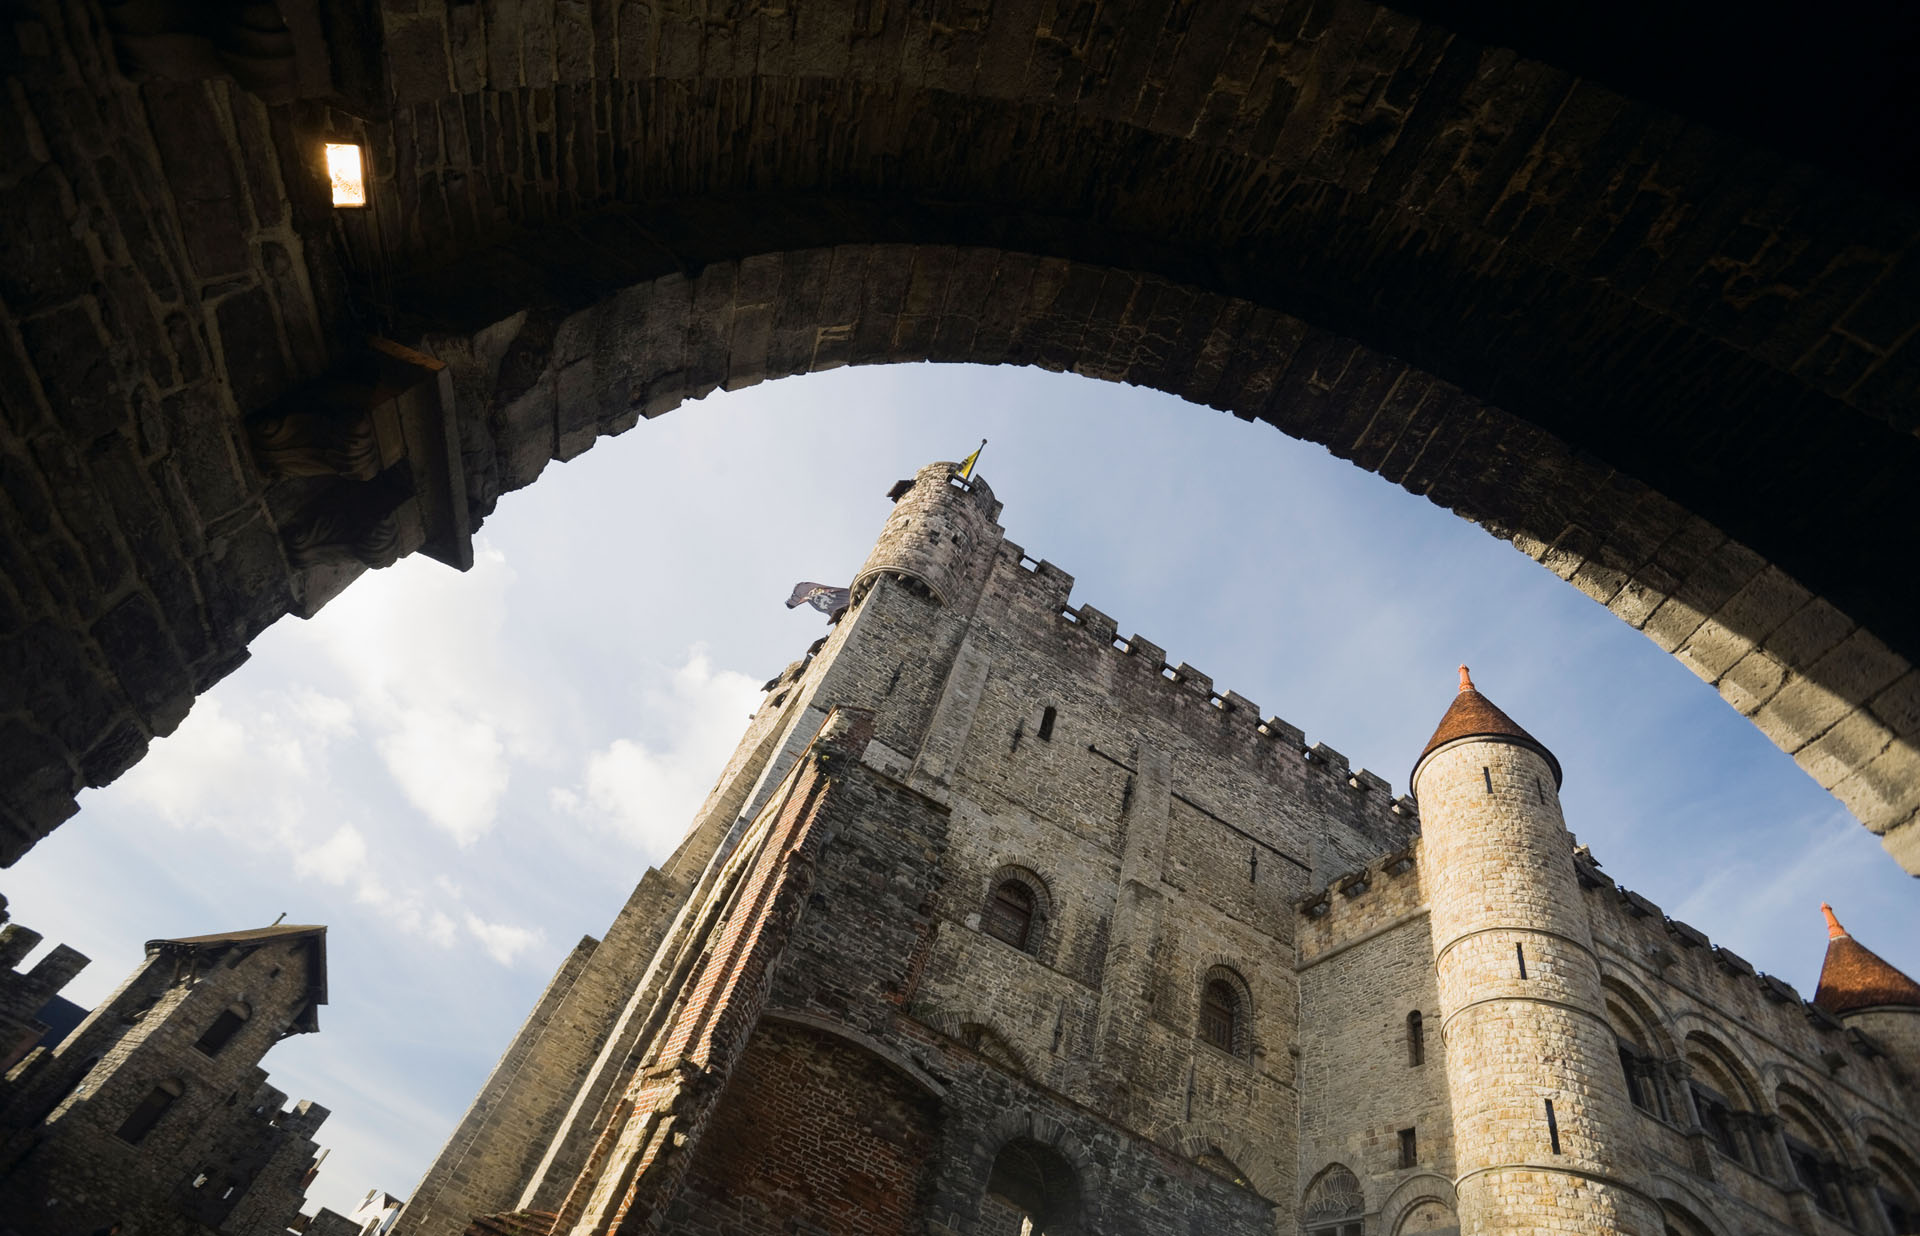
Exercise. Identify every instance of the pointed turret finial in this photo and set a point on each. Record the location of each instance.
(1834, 929)
(1473, 715)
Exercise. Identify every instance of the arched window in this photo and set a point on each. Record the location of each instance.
(1640, 1055)
(223, 1029)
(1896, 1184)
(1220, 1015)
(1009, 914)
(1416, 1039)
(141, 1120)
(1815, 1165)
(1722, 1104)
(1333, 1205)
(1035, 1184)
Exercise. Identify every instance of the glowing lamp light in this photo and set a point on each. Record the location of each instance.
(345, 171)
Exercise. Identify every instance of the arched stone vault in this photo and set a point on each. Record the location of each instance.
(1675, 368)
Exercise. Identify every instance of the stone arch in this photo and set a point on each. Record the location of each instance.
(1332, 1199)
(978, 1032)
(1196, 1138)
(1226, 977)
(1730, 1069)
(1424, 1202)
(1424, 251)
(1023, 1126)
(1644, 1008)
(1799, 1105)
(1646, 1045)
(1896, 1176)
(1678, 1198)
(1040, 1186)
(1043, 929)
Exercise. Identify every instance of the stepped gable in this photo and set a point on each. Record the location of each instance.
(1473, 715)
(1855, 977)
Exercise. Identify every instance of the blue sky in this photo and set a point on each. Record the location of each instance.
(463, 774)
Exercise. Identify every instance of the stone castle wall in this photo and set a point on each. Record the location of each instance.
(64, 1165)
(1169, 837)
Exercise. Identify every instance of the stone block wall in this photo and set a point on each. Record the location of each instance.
(1365, 963)
(1703, 1016)
(1542, 1123)
(62, 1161)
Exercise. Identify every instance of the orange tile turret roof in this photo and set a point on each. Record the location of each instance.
(1855, 977)
(1473, 715)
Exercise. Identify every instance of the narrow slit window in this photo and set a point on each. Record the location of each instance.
(1045, 732)
(1553, 1128)
(1409, 1149)
(1539, 790)
(1253, 867)
(1520, 955)
(1486, 774)
(1416, 1039)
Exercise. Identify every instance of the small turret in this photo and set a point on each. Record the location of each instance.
(1867, 992)
(1543, 1127)
(940, 538)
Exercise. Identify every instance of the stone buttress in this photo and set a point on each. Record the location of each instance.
(1542, 1119)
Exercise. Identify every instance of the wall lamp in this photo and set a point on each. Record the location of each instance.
(347, 172)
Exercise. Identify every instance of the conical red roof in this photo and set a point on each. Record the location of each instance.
(1473, 715)
(1855, 977)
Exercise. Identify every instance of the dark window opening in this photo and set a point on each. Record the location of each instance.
(1253, 867)
(1416, 1039)
(1635, 1066)
(1409, 1151)
(222, 1030)
(1539, 790)
(1010, 914)
(1486, 774)
(1553, 1128)
(142, 1119)
(1904, 1218)
(1045, 732)
(1717, 1119)
(1220, 1015)
(1520, 955)
(1823, 1178)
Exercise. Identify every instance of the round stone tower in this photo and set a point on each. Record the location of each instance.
(940, 537)
(1542, 1124)
(1865, 991)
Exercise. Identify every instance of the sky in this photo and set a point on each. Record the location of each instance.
(463, 774)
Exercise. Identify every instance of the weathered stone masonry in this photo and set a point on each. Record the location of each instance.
(1625, 341)
(996, 918)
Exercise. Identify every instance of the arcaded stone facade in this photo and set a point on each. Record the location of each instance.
(996, 923)
(154, 1113)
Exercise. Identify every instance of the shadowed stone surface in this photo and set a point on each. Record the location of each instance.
(1672, 365)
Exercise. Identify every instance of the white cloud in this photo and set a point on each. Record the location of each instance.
(335, 860)
(650, 795)
(452, 768)
(435, 685)
(502, 941)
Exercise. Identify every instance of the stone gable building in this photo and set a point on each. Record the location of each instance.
(998, 924)
(154, 1113)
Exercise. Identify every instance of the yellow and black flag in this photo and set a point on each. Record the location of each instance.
(965, 470)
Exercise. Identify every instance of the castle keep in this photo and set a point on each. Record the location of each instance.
(997, 924)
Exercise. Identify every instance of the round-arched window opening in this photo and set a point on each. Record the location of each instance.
(1009, 914)
(1220, 1015)
(1034, 1191)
